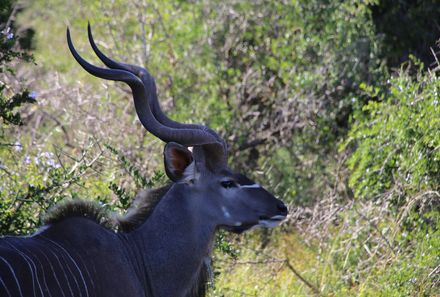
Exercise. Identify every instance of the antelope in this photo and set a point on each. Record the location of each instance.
(162, 252)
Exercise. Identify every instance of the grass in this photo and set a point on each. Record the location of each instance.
(261, 271)
(363, 250)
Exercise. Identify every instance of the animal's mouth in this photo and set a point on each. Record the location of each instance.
(263, 221)
(240, 228)
(270, 222)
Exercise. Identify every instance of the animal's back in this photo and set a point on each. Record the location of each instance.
(75, 257)
(32, 266)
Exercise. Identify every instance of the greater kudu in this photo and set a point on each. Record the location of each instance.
(165, 255)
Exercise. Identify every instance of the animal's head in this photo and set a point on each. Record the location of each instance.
(232, 200)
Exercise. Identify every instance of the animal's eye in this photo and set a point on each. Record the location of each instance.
(227, 184)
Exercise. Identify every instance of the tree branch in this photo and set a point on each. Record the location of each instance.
(297, 274)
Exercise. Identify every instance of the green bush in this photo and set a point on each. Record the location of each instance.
(397, 137)
(284, 82)
(289, 72)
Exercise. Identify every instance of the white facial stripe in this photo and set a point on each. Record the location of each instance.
(255, 186)
(226, 212)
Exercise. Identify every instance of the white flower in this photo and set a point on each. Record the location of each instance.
(27, 159)
(7, 32)
(50, 161)
(33, 95)
(17, 146)
(47, 155)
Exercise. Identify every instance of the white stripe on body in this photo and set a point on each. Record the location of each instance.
(36, 270)
(87, 270)
(76, 265)
(52, 270)
(13, 274)
(70, 273)
(64, 272)
(30, 267)
(4, 286)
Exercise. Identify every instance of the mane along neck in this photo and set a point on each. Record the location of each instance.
(89, 209)
(141, 208)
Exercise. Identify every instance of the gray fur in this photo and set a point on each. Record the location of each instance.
(141, 208)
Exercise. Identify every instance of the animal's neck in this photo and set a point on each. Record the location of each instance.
(176, 240)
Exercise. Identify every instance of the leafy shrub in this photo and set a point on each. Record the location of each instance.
(289, 72)
(9, 53)
(398, 142)
(280, 80)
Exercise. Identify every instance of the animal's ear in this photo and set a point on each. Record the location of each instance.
(177, 159)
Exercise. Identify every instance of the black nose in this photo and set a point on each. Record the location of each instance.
(282, 208)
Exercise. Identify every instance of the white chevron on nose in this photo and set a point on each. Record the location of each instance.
(255, 186)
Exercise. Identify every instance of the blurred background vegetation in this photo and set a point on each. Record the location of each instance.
(332, 105)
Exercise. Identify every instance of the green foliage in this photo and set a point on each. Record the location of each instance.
(223, 245)
(6, 7)
(382, 260)
(397, 143)
(10, 53)
(33, 180)
(407, 27)
(289, 72)
(7, 106)
(124, 197)
(285, 82)
(414, 273)
(10, 222)
(134, 172)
